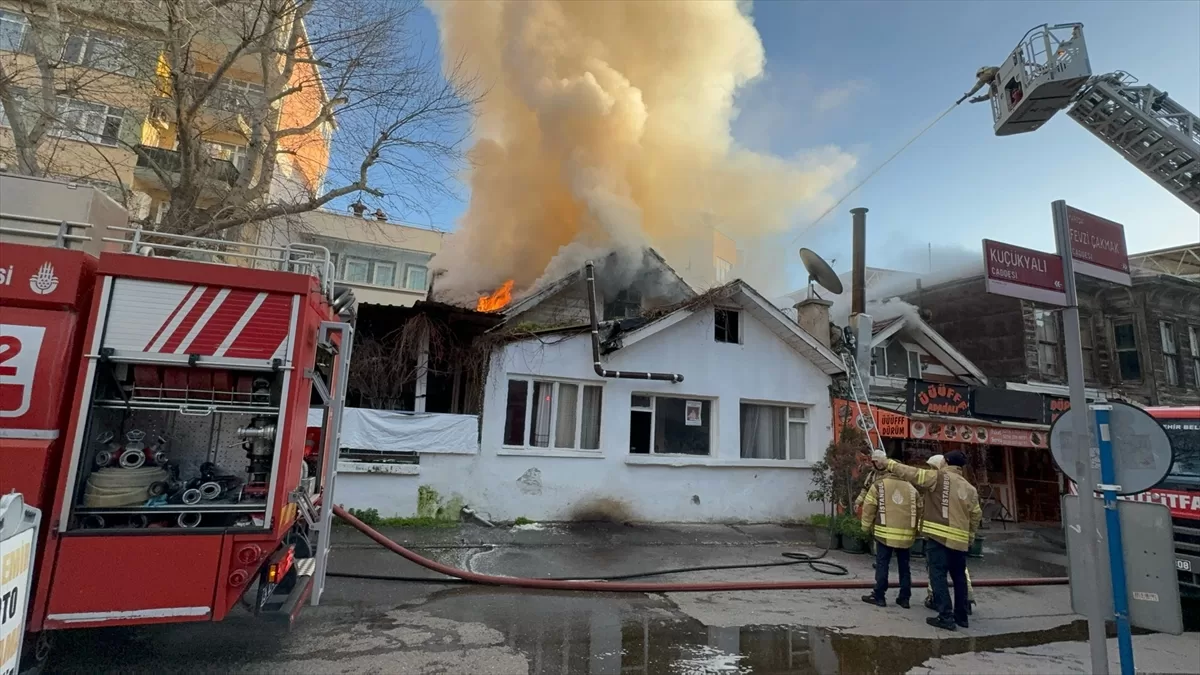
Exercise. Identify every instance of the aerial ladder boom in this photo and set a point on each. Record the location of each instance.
(1049, 71)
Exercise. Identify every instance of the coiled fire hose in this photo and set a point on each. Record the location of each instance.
(644, 587)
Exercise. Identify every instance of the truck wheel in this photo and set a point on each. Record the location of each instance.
(34, 653)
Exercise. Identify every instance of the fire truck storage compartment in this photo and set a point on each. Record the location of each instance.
(178, 448)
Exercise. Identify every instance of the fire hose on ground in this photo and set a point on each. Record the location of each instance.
(607, 585)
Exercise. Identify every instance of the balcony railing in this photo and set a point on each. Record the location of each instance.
(170, 161)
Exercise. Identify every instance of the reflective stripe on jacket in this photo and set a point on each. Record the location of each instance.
(951, 512)
(892, 511)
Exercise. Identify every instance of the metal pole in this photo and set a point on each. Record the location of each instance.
(1084, 460)
(1116, 548)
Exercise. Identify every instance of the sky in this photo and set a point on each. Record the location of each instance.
(866, 76)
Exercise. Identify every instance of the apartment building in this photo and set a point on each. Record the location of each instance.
(115, 126)
(385, 263)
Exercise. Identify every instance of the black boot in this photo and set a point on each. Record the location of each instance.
(870, 599)
(970, 606)
(963, 624)
(903, 603)
(937, 622)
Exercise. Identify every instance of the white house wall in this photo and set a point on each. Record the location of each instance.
(507, 483)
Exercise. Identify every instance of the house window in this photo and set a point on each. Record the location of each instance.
(1170, 352)
(665, 425)
(626, 305)
(896, 359)
(559, 415)
(1088, 347)
(80, 120)
(385, 274)
(94, 49)
(1047, 342)
(357, 270)
(1194, 343)
(1125, 340)
(416, 277)
(773, 431)
(12, 30)
(727, 325)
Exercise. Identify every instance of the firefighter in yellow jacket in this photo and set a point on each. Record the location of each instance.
(891, 512)
(938, 462)
(950, 519)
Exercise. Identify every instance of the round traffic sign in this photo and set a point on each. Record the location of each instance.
(1142, 454)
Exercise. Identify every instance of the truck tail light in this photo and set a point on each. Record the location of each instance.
(279, 567)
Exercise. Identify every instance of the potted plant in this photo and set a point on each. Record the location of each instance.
(825, 535)
(854, 539)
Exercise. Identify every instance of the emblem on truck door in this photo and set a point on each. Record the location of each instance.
(44, 282)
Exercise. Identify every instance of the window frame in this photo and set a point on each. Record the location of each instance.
(1118, 350)
(1087, 345)
(653, 410)
(1048, 318)
(1171, 363)
(1194, 343)
(87, 57)
(376, 265)
(551, 448)
(408, 272)
(803, 421)
(738, 324)
(16, 18)
(356, 260)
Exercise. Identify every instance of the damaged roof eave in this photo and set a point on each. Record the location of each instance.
(935, 344)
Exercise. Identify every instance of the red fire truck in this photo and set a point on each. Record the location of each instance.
(153, 406)
(1180, 491)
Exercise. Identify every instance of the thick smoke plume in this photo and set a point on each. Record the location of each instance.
(606, 126)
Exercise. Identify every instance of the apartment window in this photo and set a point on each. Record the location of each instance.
(385, 274)
(357, 270)
(88, 122)
(666, 425)
(233, 95)
(95, 49)
(235, 154)
(559, 415)
(1129, 363)
(773, 431)
(416, 277)
(1087, 345)
(724, 268)
(727, 325)
(1194, 343)
(878, 361)
(13, 27)
(1170, 352)
(1049, 362)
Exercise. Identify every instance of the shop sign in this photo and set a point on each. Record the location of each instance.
(888, 424)
(1055, 406)
(977, 434)
(935, 398)
(1181, 504)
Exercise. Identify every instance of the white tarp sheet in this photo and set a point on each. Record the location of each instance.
(393, 431)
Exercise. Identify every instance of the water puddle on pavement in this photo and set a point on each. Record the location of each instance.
(601, 635)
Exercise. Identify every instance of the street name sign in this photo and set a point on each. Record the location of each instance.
(1098, 247)
(1023, 273)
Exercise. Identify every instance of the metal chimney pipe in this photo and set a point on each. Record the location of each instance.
(858, 275)
(589, 270)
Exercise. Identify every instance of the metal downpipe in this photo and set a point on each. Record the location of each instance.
(590, 275)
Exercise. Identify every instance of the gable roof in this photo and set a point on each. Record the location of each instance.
(754, 304)
(649, 257)
(931, 341)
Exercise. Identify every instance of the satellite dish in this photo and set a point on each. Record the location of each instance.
(820, 272)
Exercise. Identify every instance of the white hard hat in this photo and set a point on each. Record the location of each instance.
(936, 461)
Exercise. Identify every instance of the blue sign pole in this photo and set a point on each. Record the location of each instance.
(1116, 557)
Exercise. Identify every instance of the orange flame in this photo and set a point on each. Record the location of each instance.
(497, 300)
